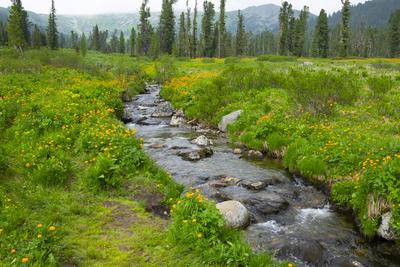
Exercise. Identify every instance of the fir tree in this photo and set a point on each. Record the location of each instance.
(36, 38)
(291, 31)
(207, 26)
(17, 27)
(300, 32)
(83, 45)
(145, 29)
(240, 36)
(221, 30)
(182, 36)
(96, 39)
(394, 31)
(52, 33)
(114, 43)
(132, 42)
(3, 34)
(321, 36)
(167, 26)
(194, 42)
(155, 45)
(121, 43)
(284, 28)
(188, 27)
(344, 42)
(74, 41)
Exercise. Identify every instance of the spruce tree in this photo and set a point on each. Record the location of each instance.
(344, 42)
(167, 26)
(321, 36)
(132, 42)
(394, 31)
(221, 30)
(207, 27)
(240, 36)
(291, 32)
(3, 34)
(145, 29)
(121, 43)
(300, 32)
(188, 27)
(155, 45)
(83, 45)
(194, 42)
(182, 36)
(114, 42)
(36, 38)
(17, 26)
(96, 39)
(283, 28)
(52, 33)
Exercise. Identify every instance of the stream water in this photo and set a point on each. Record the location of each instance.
(289, 217)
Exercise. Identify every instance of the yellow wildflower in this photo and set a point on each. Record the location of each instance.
(52, 228)
(25, 260)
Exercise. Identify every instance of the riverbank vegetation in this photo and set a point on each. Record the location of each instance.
(333, 121)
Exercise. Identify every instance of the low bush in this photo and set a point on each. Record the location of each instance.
(380, 85)
(232, 60)
(276, 58)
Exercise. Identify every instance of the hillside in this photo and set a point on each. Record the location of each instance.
(375, 13)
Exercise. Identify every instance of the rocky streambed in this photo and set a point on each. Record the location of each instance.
(287, 216)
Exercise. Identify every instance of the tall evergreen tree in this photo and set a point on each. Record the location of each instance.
(291, 32)
(96, 38)
(284, 28)
(17, 27)
(221, 30)
(121, 43)
(194, 42)
(52, 33)
(155, 44)
(182, 36)
(300, 32)
(321, 36)
(240, 36)
(83, 45)
(145, 29)
(132, 42)
(344, 42)
(394, 31)
(188, 27)
(114, 42)
(167, 26)
(207, 26)
(36, 37)
(3, 34)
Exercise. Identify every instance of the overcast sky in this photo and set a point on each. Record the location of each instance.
(115, 6)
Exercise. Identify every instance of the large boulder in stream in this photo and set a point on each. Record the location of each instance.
(202, 140)
(385, 230)
(235, 214)
(228, 119)
(177, 121)
(164, 109)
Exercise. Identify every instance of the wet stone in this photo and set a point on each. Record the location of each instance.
(224, 182)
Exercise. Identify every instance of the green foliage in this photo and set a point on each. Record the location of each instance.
(165, 69)
(276, 58)
(312, 166)
(380, 85)
(342, 193)
(232, 60)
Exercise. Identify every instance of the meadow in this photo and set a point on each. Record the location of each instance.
(77, 188)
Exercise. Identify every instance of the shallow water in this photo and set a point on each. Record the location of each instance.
(306, 231)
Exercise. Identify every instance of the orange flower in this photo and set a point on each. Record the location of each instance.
(25, 260)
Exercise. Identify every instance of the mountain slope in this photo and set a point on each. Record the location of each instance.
(374, 13)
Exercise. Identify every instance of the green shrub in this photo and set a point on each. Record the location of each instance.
(342, 193)
(312, 166)
(380, 85)
(295, 150)
(277, 141)
(103, 173)
(207, 60)
(52, 171)
(276, 58)
(232, 60)
(165, 69)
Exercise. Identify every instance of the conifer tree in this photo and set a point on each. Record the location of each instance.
(240, 36)
(344, 42)
(114, 42)
(394, 31)
(145, 29)
(194, 42)
(96, 38)
(52, 33)
(188, 27)
(207, 26)
(321, 36)
(74, 41)
(284, 28)
(83, 45)
(17, 27)
(3, 34)
(132, 42)
(300, 32)
(221, 30)
(36, 38)
(167, 26)
(182, 36)
(121, 43)
(155, 44)
(291, 32)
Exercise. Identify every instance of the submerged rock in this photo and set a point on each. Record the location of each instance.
(197, 154)
(202, 140)
(164, 109)
(235, 214)
(308, 251)
(385, 230)
(156, 146)
(255, 155)
(228, 119)
(224, 182)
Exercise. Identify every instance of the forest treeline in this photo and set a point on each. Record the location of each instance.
(189, 35)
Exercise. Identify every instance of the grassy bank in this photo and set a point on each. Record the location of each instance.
(76, 187)
(333, 121)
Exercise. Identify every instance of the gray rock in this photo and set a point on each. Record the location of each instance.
(254, 186)
(177, 121)
(255, 155)
(224, 182)
(197, 154)
(235, 214)
(156, 146)
(164, 109)
(237, 151)
(228, 119)
(202, 140)
(306, 250)
(385, 230)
